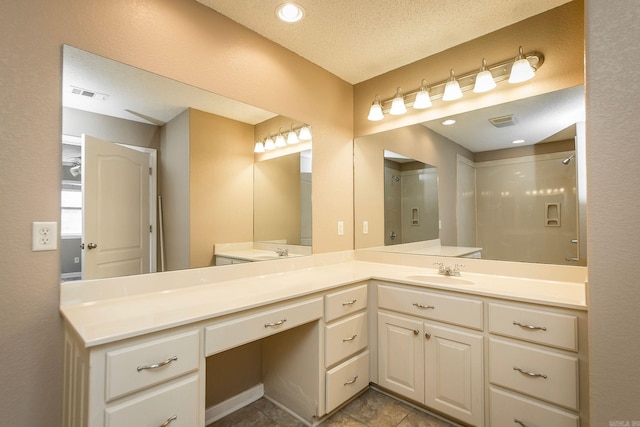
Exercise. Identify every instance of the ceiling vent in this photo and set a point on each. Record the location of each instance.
(89, 93)
(503, 121)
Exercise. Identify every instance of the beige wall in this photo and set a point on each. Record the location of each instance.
(613, 108)
(180, 39)
(234, 62)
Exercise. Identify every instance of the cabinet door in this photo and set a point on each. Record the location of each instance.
(400, 356)
(453, 373)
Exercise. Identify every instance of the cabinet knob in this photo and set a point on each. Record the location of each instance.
(416, 332)
(427, 335)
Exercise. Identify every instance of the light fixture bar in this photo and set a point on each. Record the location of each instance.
(304, 134)
(499, 70)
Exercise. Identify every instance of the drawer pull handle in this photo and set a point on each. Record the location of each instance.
(416, 332)
(353, 337)
(517, 421)
(169, 421)
(353, 301)
(540, 328)
(158, 365)
(423, 306)
(352, 381)
(531, 374)
(278, 323)
(427, 335)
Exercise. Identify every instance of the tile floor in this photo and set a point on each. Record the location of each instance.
(370, 409)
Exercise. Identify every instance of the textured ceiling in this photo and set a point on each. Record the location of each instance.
(360, 39)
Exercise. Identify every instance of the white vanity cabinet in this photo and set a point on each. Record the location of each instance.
(438, 365)
(151, 380)
(346, 344)
(537, 366)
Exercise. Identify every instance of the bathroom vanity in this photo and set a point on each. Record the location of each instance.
(483, 349)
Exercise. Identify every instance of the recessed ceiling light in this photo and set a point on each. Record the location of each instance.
(518, 141)
(448, 122)
(290, 12)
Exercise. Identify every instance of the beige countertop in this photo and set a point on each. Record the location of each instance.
(161, 302)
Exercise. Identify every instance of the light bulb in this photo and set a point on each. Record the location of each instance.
(452, 89)
(259, 148)
(521, 70)
(269, 144)
(280, 142)
(484, 79)
(292, 138)
(375, 112)
(422, 98)
(305, 133)
(397, 105)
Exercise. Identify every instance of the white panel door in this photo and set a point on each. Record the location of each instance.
(453, 373)
(400, 356)
(115, 191)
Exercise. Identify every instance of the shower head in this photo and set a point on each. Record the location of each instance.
(568, 159)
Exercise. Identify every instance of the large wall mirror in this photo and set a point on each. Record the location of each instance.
(511, 181)
(157, 173)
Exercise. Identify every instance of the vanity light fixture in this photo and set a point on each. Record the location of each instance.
(290, 12)
(295, 135)
(521, 71)
(484, 79)
(422, 97)
(397, 105)
(452, 88)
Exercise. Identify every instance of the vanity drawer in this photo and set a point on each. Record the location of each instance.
(546, 375)
(246, 328)
(346, 380)
(338, 304)
(505, 408)
(543, 327)
(140, 366)
(449, 309)
(345, 337)
(175, 405)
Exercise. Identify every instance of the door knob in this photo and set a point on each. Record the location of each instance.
(92, 246)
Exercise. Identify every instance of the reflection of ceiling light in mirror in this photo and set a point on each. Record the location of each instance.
(280, 142)
(518, 141)
(290, 12)
(259, 148)
(448, 122)
(305, 133)
(269, 144)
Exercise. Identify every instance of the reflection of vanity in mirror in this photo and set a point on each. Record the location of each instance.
(510, 200)
(201, 181)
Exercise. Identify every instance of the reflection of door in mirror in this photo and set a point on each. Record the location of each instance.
(108, 223)
(410, 200)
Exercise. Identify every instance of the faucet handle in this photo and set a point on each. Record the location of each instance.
(456, 270)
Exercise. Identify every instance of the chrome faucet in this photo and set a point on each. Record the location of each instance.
(282, 252)
(448, 271)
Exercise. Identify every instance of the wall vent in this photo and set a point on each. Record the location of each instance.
(503, 121)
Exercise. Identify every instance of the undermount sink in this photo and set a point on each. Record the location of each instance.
(439, 280)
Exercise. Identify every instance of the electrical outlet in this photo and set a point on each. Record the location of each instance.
(44, 236)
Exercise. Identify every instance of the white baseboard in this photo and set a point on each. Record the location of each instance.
(232, 404)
